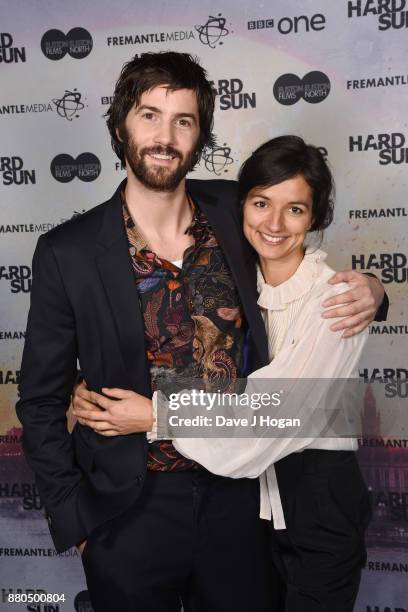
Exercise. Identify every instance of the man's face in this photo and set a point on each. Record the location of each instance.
(160, 137)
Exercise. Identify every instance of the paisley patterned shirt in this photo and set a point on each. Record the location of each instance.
(193, 319)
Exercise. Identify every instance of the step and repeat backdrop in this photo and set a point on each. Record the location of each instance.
(334, 73)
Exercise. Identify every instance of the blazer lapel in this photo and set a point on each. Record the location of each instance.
(116, 273)
(228, 231)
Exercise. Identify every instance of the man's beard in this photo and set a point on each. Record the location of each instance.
(158, 178)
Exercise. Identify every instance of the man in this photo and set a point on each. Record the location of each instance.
(156, 282)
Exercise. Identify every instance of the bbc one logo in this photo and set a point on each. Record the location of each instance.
(8, 53)
(86, 167)
(230, 94)
(12, 171)
(77, 43)
(290, 25)
(390, 147)
(389, 13)
(313, 88)
(393, 266)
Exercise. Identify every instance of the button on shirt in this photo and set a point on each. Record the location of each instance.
(301, 345)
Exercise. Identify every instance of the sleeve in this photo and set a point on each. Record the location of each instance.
(48, 373)
(319, 353)
(382, 312)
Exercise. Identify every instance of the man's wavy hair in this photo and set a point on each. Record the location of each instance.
(172, 70)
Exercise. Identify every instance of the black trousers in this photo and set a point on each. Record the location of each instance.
(321, 553)
(192, 538)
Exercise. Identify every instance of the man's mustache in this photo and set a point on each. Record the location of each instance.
(161, 151)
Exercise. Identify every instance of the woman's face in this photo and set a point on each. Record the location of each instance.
(277, 218)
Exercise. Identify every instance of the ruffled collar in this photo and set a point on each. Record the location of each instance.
(276, 298)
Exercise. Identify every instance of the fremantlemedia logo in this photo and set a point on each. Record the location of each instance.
(290, 25)
(69, 105)
(10, 54)
(378, 213)
(230, 94)
(392, 266)
(380, 330)
(77, 43)
(64, 168)
(389, 13)
(39, 228)
(375, 82)
(390, 147)
(146, 38)
(213, 31)
(12, 171)
(313, 88)
(217, 159)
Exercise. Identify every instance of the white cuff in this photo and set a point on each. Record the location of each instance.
(152, 435)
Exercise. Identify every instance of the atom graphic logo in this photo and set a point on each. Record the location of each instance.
(212, 31)
(217, 159)
(69, 105)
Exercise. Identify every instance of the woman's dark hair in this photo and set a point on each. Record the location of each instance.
(283, 158)
(175, 71)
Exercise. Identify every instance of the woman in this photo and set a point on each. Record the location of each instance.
(316, 499)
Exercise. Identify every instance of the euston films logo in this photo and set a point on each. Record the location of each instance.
(64, 168)
(390, 147)
(77, 43)
(313, 88)
(393, 266)
(389, 13)
(290, 25)
(230, 95)
(12, 171)
(217, 159)
(8, 53)
(19, 278)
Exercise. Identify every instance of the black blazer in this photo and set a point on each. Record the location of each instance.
(84, 305)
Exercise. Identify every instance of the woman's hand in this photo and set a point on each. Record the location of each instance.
(122, 412)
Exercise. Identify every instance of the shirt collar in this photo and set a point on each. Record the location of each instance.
(300, 283)
(197, 228)
(135, 236)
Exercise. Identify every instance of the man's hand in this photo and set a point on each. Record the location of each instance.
(128, 412)
(360, 303)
